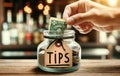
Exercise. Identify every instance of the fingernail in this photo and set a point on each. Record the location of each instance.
(70, 21)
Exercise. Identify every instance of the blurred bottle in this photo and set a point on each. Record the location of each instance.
(5, 29)
(28, 37)
(20, 27)
(47, 21)
(19, 16)
(21, 34)
(9, 16)
(37, 34)
(58, 14)
(13, 34)
(36, 37)
(29, 29)
(5, 34)
(41, 21)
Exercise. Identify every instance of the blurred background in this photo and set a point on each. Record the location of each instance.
(22, 23)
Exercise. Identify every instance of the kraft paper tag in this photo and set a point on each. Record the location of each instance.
(58, 54)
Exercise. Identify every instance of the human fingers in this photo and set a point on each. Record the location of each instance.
(84, 28)
(70, 10)
(80, 6)
(81, 17)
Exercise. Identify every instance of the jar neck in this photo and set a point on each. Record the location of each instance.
(68, 34)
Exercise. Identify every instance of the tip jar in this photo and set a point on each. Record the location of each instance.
(59, 53)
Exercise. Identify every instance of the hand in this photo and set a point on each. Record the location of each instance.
(86, 15)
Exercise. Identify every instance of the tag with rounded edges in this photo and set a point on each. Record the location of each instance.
(58, 54)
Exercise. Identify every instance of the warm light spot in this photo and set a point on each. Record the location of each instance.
(47, 7)
(40, 6)
(112, 2)
(27, 9)
(45, 12)
(49, 1)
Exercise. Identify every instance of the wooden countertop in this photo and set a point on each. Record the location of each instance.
(88, 68)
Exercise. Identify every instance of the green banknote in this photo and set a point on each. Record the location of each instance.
(57, 26)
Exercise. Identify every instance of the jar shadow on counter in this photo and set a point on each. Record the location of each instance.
(37, 70)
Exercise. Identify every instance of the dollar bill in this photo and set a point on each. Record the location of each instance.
(57, 26)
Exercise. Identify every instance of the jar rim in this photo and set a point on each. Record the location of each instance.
(67, 34)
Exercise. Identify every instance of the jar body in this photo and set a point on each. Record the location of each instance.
(74, 58)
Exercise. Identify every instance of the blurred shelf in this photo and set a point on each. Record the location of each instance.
(19, 57)
(18, 47)
(34, 47)
(93, 45)
(99, 45)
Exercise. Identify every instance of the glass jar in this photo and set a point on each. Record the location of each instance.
(59, 53)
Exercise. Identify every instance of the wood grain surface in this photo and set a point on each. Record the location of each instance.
(20, 67)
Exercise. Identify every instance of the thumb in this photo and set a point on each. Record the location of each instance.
(80, 18)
